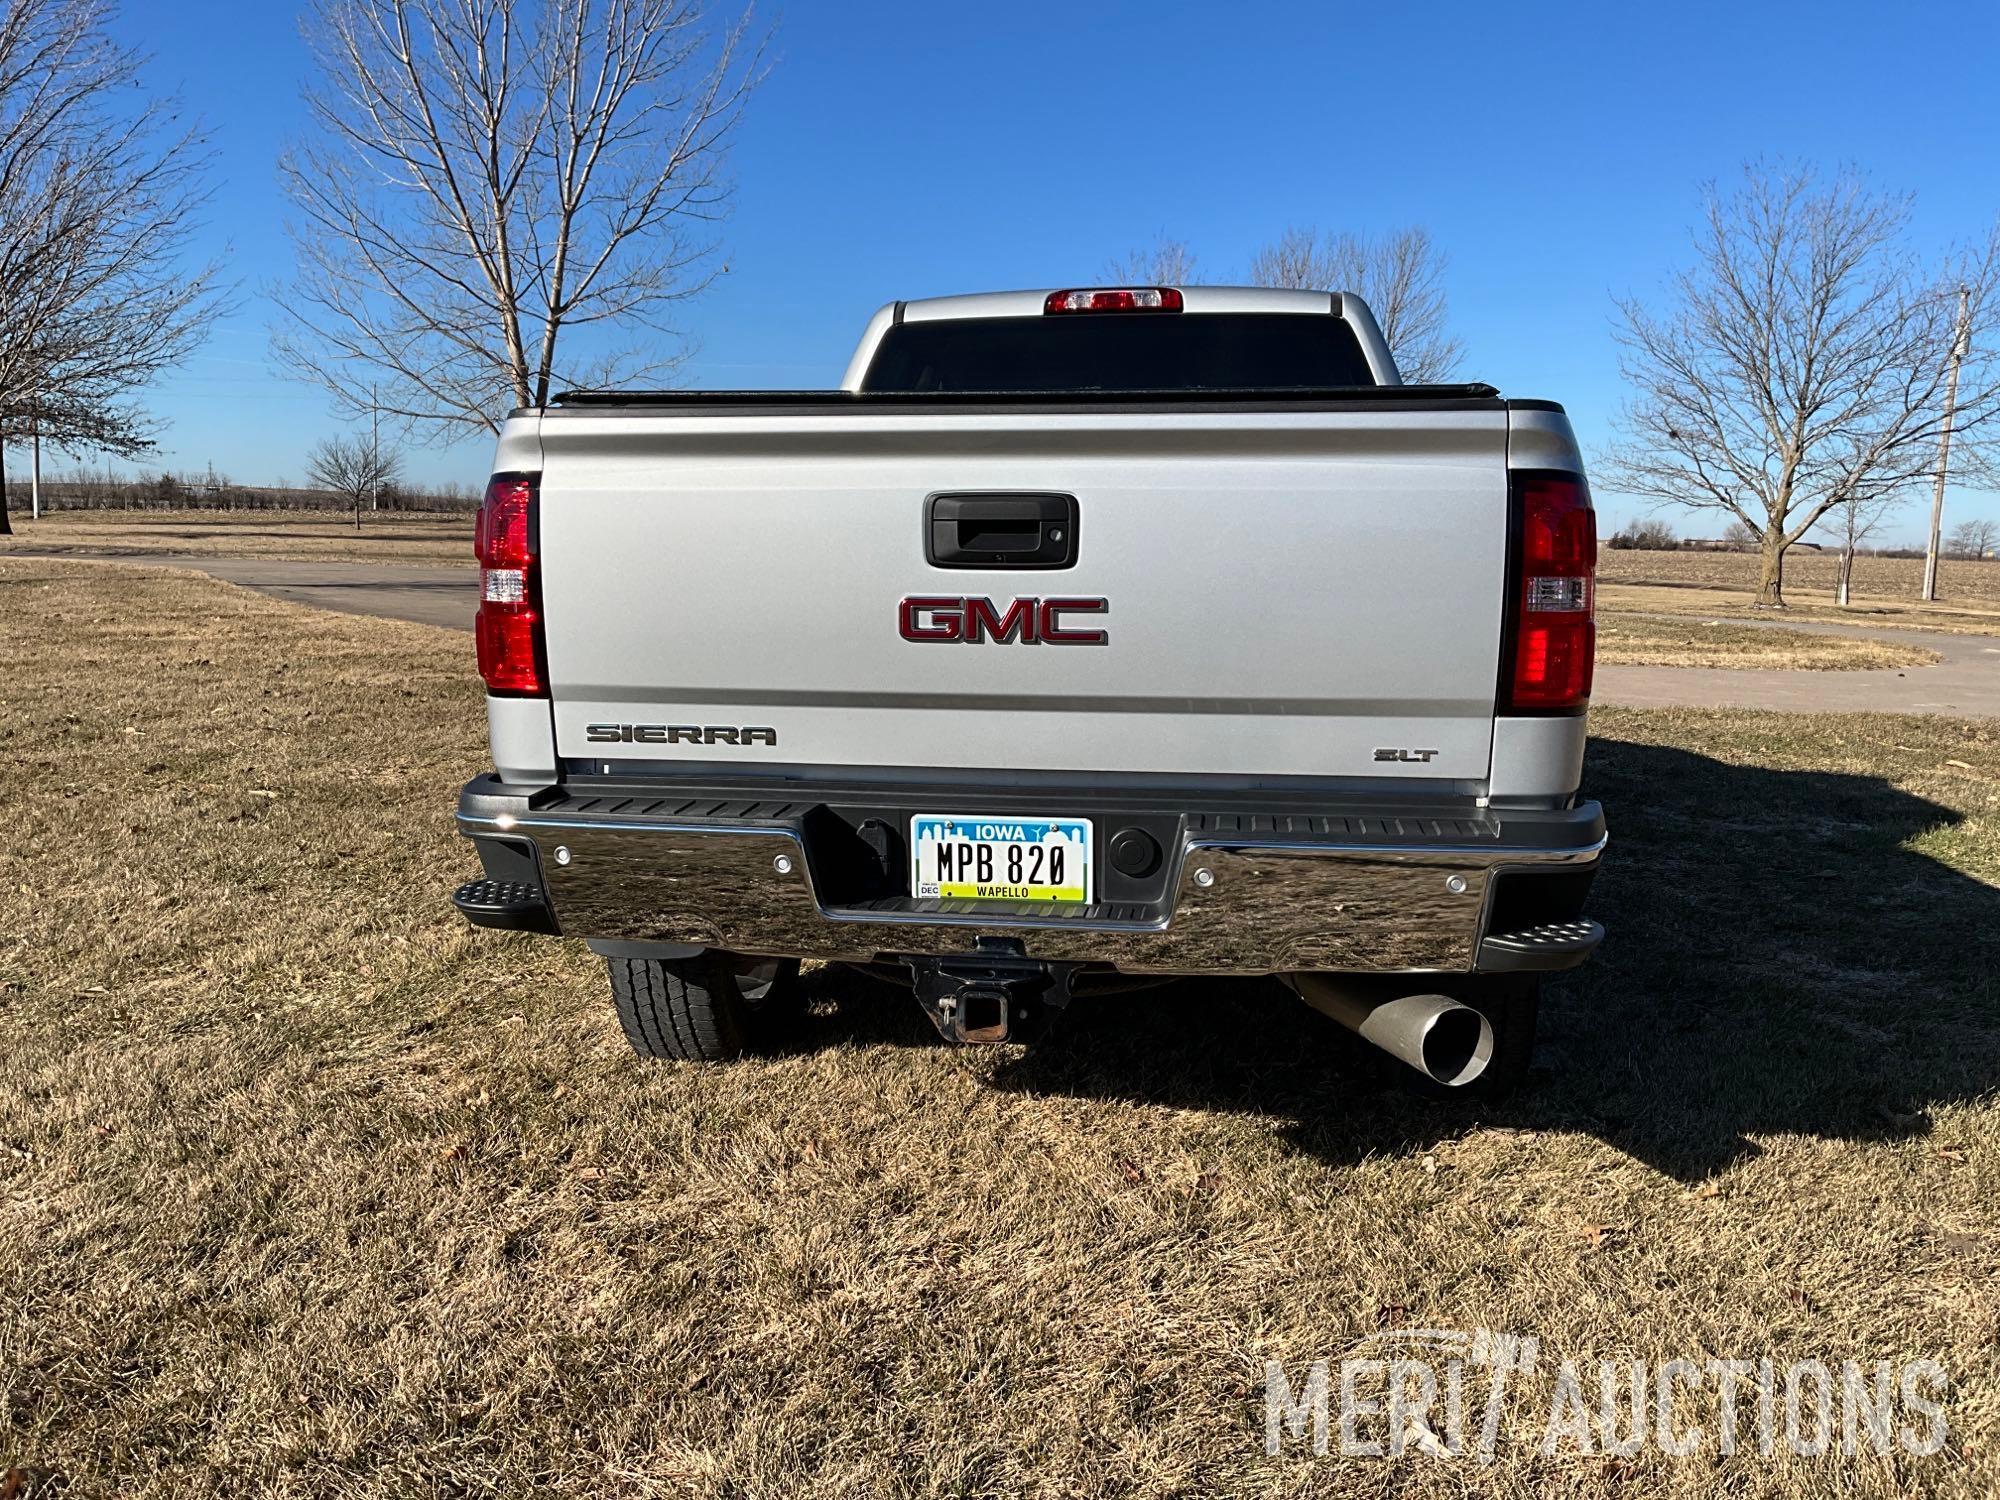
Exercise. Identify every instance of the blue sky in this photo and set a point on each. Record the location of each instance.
(902, 149)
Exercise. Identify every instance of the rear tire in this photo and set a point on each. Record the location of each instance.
(710, 1008)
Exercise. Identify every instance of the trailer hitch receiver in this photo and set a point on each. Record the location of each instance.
(989, 997)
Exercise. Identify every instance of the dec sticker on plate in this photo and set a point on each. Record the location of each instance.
(988, 858)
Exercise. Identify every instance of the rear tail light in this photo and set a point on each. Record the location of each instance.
(509, 627)
(1116, 299)
(1551, 624)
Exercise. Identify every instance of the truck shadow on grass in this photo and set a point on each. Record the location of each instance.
(1778, 961)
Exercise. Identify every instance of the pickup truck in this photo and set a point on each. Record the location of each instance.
(1082, 638)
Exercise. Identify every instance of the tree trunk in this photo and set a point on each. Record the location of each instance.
(6, 527)
(1846, 575)
(1771, 578)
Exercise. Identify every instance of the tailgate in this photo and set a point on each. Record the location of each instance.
(1285, 593)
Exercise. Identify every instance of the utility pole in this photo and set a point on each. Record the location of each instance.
(1961, 337)
(375, 447)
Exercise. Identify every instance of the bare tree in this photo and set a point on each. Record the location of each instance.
(1741, 536)
(1167, 263)
(1400, 277)
(99, 197)
(1973, 539)
(1801, 364)
(357, 469)
(498, 192)
(1856, 519)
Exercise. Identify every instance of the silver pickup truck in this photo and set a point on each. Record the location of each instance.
(1082, 638)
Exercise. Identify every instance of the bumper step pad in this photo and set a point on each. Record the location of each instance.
(1553, 945)
(505, 905)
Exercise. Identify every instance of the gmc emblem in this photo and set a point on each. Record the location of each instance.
(1029, 622)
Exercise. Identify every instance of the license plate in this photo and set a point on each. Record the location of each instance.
(988, 858)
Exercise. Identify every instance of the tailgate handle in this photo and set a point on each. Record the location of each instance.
(1009, 530)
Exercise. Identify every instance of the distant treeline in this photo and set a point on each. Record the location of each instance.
(1658, 536)
(85, 488)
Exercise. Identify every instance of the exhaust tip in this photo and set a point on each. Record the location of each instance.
(1456, 1046)
(1449, 1043)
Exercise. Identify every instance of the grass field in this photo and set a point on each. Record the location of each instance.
(1886, 589)
(1810, 574)
(312, 536)
(305, 1188)
(1628, 640)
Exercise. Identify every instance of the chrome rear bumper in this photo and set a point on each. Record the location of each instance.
(1350, 890)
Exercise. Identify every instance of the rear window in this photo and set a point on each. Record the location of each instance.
(1120, 352)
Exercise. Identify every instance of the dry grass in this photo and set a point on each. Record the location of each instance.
(1807, 573)
(411, 537)
(1886, 589)
(1626, 640)
(307, 1189)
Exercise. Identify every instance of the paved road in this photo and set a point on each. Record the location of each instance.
(1966, 682)
(430, 596)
